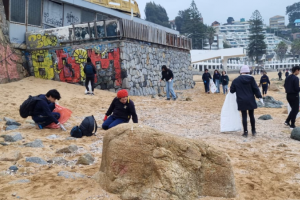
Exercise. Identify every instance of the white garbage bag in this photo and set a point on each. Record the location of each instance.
(290, 109)
(230, 116)
(212, 86)
(90, 87)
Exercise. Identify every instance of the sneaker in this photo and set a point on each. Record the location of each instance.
(168, 99)
(292, 127)
(287, 124)
(175, 99)
(245, 134)
(92, 94)
(254, 132)
(87, 93)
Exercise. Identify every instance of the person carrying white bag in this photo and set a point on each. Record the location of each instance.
(245, 88)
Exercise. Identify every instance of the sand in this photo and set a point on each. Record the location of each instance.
(263, 168)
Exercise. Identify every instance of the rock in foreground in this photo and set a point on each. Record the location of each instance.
(144, 163)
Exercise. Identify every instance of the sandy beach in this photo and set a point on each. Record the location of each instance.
(265, 167)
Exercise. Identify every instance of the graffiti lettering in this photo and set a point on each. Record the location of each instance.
(72, 19)
(52, 21)
(39, 41)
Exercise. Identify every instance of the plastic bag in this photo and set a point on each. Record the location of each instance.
(212, 86)
(65, 115)
(230, 116)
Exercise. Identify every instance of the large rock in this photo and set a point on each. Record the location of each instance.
(71, 175)
(296, 134)
(86, 159)
(36, 160)
(69, 149)
(144, 163)
(12, 137)
(265, 117)
(35, 144)
(11, 156)
(270, 102)
(273, 87)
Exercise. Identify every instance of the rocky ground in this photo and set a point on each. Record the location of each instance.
(48, 164)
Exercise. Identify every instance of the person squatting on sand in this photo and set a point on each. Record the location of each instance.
(206, 79)
(168, 76)
(216, 80)
(292, 90)
(43, 114)
(245, 88)
(122, 108)
(224, 81)
(90, 71)
(264, 82)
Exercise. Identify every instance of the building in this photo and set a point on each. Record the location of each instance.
(277, 22)
(215, 23)
(173, 24)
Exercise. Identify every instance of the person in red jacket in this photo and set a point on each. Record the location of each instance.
(122, 109)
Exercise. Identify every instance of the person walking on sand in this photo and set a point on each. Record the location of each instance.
(216, 80)
(245, 88)
(264, 82)
(292, 90)
(90, 71)
(287, 74)
(280, 75)
(168, 76)
(122, 108)
(43, 114)
(224, 82)
(206, 79)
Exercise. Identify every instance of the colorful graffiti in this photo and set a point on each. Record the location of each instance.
(68, 64)
(40, 41)
(8, 64)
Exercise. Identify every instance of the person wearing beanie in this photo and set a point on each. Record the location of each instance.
(264, 82)
(120, 111)
(246, 88)
(168, 76)
(90, 71)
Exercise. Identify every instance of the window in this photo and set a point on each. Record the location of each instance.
(6, 9)
(17, 11)
(87, 16)
(101, 17)
(34, 12)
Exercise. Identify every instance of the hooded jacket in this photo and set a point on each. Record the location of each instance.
(245, 88)
(216, 77)
(224, 79)
(264, 80)
(206, 77)
(44, 108)
(291, 84)
(167, 75)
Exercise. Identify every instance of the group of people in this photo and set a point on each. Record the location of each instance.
(218, 80)
(287, 73)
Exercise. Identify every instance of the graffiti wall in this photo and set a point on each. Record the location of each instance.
(67, 64)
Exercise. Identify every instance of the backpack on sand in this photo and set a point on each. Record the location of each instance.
(27, 107)
(88, 127)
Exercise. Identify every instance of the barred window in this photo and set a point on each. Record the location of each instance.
(87, 16)
(17, 11)
(34, 12)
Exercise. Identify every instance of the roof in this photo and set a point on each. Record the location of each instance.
(297, 21)
(203, 55)
(277, 16)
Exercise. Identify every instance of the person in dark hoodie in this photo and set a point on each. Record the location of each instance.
(292, 90)
(280, 75)
(122, 108)
(224, 82)
(216, 80)
(43, 114)
(168, 76)
(206, 79)
(264, 82)
(90, 71)
(287, 74)
(245, 88)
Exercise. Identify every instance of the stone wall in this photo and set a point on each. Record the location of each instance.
(143, 62)
(11, 60)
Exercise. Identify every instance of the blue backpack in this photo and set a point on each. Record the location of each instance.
(89, 70)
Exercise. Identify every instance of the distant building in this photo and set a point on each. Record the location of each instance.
(296, 36)
(297, 22)
(242, 20)
(277, 21)
(173, 25)
(215, 23)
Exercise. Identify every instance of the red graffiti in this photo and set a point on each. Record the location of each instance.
(8, 66)
(118, 168)
(70, 70)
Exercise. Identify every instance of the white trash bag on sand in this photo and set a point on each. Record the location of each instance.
(290, 109)
(212, 86)
(90, 88)
(230, 116)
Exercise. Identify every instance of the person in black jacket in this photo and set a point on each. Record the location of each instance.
(43, 114)
(264, 82)
(280, 75)
(216, 80)
(206, 79)
(224, 82)
(168, 76)
(122, 109)
(90, 71)
(287, 74)
(292, 90)
(245, 88)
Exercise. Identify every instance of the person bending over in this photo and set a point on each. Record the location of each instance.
(43, 114)
(168, 76)
(245, 88)
(122, 108)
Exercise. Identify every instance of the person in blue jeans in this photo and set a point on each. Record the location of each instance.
(122, 109)
(168, 76)
(216, 79)
(206, 79)
(224, 81)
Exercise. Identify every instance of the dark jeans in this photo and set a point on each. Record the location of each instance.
(280, 78)
(206, 86)
(92, 79)
(252, 119)
(265, 89)
(293, 100)
(45, 120)
(113, 121)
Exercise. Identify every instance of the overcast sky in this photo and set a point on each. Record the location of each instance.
(220, 10)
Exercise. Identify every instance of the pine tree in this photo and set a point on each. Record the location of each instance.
(257, 46)
(157, 14)
(211, 31)
(281, 50)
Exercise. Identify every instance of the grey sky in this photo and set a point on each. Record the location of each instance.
(220, 10)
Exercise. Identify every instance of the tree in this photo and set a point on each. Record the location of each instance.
(295, 50)
(257, 46)
(230, 20)
(189, 23)
(281, 50)
(210, 31)
(293, 11)
(226, 45)
(157, 14)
